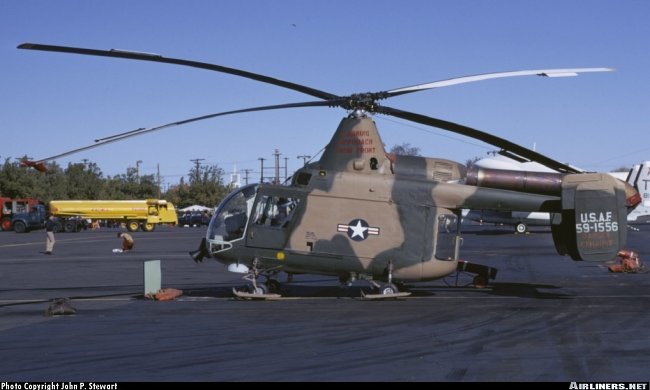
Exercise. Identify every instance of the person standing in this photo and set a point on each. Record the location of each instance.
(127, 241)
(49, 231)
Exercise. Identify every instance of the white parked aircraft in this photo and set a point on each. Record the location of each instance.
(638, 176)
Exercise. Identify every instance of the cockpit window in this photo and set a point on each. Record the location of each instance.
(275, 211)
(448, 236)
(229, 220)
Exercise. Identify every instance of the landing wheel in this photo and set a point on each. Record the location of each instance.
(521, 228)
(480, 281)
(388, 289)
(273, 286)
(258, 289)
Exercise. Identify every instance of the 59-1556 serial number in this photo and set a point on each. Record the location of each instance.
(596, 227)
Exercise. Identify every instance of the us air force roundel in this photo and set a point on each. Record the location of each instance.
(358, 229)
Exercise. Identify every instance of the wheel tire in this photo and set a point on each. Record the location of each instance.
(20, 227)
(388, 289)
(521, 228)
(58, 227)
(273, 286)
(132, 225)
(260, 290)
(5, 224)
(70, 226)
(148, 227)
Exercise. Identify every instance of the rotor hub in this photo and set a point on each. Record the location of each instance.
(363, 101)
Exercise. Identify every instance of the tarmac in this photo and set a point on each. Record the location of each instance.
(545, 317)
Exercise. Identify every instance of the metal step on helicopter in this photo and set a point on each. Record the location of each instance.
(360, 213)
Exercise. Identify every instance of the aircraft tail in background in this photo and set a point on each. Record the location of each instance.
(639, 177)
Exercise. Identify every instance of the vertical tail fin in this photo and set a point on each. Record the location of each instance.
(639, 177)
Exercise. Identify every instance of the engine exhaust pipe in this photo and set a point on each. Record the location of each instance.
(543, 183)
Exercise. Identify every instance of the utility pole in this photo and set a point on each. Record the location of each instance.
(158, 178)
(246, 172)
(285, 168)
(261, 169)
(304, 158)
(197, 162)
(277, 166)
(137, 169)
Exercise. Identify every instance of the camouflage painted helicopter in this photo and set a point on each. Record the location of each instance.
(361, 213)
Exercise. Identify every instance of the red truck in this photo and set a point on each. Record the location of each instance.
(11, 206)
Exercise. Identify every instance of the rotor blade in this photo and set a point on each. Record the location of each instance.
(142, 130)
(132, 55)
(487, 76)
(480, 135)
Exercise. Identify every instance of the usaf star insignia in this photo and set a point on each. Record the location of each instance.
(358, 229)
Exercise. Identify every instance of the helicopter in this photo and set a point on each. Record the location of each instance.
(360, 213)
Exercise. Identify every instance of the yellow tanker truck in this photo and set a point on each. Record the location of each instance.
(136, 214)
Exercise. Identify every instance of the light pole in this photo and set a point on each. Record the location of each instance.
(261, 169)
(304, 158)
(286, 173)
(277, 154)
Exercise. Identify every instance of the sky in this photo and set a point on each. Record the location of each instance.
(54, 102)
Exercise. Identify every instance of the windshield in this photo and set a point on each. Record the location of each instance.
(229, 221)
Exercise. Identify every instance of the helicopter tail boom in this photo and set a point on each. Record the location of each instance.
(588, 222)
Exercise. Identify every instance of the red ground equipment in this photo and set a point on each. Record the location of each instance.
(628, 262)
(9, 206)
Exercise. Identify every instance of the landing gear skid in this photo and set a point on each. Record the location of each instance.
(259, 291)
(255, 296)
(483, 272)
(383, 295)
(385, 290)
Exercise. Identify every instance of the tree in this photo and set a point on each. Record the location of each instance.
(131, 186)
(51, 184)
(470, 161)
(14, 183)
(205, 187)
(405, 149)
(84, 181)
(176, 194)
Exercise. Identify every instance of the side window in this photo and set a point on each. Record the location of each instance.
(275, 211)
(448, 236)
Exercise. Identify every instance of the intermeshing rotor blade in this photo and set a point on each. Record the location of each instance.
(352, 102)
(487, 76)
(480, 135)
(158, 58)
(143, 130)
